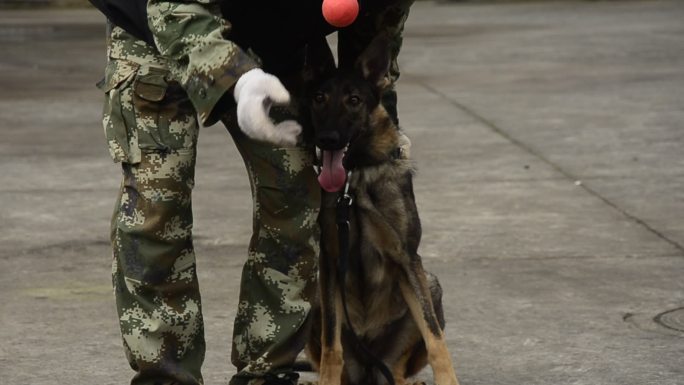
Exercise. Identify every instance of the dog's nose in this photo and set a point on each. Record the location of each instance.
(328, 139)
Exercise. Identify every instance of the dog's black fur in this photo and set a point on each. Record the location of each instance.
(394, 305)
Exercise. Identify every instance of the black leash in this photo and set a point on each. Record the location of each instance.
(344, 204)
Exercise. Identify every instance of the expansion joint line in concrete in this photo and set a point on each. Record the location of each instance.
(499, 131)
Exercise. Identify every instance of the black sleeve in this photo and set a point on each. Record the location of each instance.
(130, 15)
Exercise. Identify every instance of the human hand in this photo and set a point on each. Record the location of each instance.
(255, 92)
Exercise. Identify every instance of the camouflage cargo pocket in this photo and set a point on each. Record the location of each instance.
(144, 112)
(166, 119)
(118, 116)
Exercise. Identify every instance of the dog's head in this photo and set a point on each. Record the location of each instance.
(342, 104)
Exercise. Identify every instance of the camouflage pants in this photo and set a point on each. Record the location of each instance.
(279, 279)
(151, 129)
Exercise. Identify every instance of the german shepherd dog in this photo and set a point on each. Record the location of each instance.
(394, 305)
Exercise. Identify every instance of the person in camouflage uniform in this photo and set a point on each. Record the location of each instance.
(154, 96)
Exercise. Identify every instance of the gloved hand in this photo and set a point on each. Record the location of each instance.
(255, 92)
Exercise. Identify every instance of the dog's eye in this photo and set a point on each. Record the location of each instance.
(319, 98)
(354, 100)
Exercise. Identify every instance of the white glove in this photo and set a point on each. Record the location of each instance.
(255, 93)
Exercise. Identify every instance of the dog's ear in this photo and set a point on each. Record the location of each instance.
(319, 63)
(374, 62)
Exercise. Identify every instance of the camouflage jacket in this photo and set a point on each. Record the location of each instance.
(209, 44)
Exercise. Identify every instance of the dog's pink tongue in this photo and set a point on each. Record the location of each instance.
(332, 175)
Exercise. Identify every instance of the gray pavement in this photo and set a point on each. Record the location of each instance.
(549, 141)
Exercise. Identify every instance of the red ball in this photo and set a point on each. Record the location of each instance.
(340, 13)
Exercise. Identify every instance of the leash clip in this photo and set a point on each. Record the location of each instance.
(344, 202)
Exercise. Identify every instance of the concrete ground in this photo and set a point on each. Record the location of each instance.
(550, 145)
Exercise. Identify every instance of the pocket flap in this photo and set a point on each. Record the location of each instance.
(151, 86)
(116, 72)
